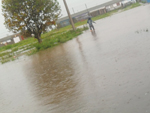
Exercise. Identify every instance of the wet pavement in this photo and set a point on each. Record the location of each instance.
(103, 72)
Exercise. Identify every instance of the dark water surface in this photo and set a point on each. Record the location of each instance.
(103, 72)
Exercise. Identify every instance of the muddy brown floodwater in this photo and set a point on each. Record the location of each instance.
(103, 72)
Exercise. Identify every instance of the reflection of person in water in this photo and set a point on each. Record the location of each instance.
(90, 22)
(94, 33)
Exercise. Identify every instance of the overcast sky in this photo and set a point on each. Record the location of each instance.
(77, 5)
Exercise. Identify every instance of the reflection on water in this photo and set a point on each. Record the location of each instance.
(94, 35)
(81, 50)
(59, 83)
(52, 77)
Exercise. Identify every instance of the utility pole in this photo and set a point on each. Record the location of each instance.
(87, 9)
(69, 15)
(73, 10)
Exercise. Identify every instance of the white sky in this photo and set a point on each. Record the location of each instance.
(77, 5)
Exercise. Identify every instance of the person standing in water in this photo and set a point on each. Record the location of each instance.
(90, 22)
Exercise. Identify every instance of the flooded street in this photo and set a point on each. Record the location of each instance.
(103, 72)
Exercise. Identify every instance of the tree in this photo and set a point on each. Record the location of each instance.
(31, 16)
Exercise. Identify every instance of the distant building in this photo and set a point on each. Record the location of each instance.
(94, 11)
(12, 39)
(146, 1)
(97, 12)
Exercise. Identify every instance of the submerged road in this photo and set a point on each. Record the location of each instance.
(103, 72)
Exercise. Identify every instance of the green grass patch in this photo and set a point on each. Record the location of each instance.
(18, 45)
(132, 6)
(61, 38)
(48, 42)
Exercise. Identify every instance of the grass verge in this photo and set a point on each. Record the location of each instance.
(48, 42)
(61, 38)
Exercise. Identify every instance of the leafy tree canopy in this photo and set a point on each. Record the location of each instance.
(32, 16)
